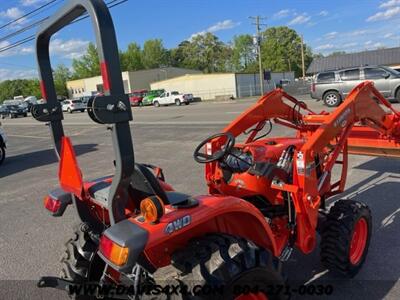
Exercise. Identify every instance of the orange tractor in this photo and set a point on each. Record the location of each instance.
(267, 195)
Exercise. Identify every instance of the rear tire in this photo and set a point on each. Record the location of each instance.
(332, 99)
(25, 115)
(187, 103)
(156, 104)
(225, 261)
(2, 154)
(177, 102)
(345, 237)
(80, 261)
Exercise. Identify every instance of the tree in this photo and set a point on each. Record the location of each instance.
(243, 56)
(154, 55)
(281, 50)
(205, 52)
(25, 87)
(61, 75)
(131, 59)
(88, 65)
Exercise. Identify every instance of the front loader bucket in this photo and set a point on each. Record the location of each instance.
(366, 141)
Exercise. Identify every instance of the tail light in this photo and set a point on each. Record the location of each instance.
(313, 87)
(57, 201)
(115, 253)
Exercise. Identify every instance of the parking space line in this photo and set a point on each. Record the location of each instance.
(27, 136)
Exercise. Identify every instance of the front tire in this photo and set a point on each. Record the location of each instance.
(2, 154)
(178, 102)
(221, 260)
(332, 99)
(345, 237)
(69, 110)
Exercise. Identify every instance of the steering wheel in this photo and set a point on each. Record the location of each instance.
(203, 158)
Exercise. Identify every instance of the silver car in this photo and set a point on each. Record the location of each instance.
(334, 86)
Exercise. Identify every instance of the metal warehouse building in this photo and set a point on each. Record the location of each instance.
(211, 86)
(389, 57)
(132, 81)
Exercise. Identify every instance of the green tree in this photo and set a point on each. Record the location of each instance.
(61, 75)
(205, 52)
(24, 87)
(131, 59)
(281, 50)
(243, 56)
(88, 65)
(154, 55)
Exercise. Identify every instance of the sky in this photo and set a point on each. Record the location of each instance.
(327, 26)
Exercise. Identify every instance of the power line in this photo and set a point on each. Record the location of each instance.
(32, 37)
(28, 14)
(27, 27)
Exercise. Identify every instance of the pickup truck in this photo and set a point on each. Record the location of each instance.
(173, 97)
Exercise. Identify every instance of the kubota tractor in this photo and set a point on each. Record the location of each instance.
(267, 195)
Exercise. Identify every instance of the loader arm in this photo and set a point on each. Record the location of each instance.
(270, 106)
(361, 113)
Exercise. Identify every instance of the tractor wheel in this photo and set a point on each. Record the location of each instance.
(345, 237)
(80, 262)
(220, 266)
(2, 154)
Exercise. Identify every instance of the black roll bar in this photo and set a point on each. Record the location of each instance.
(112, 108)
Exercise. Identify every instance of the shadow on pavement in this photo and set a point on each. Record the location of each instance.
(381, 269)
(22, 162)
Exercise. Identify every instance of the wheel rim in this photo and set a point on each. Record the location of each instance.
(358, 241)
(252, 296)
(331, 99)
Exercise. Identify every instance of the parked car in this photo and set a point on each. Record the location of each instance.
(333, 86)
(148, 99)
(3, 145)
(73, 105)
(136, 97)
(13, 111)
(173, 97)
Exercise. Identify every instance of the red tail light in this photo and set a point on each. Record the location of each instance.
(57, 201)
(313, 87)
(51, 204)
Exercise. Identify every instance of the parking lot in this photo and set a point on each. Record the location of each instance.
(31, 241)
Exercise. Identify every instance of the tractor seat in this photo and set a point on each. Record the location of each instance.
(143, 184)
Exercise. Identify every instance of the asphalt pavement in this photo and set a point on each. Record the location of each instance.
(31, 241)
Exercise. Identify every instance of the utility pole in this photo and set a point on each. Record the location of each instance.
(302, 57)
(258, 41)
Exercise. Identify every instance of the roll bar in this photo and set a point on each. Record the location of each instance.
(112, 108)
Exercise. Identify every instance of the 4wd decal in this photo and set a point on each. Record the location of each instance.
(178, 224)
